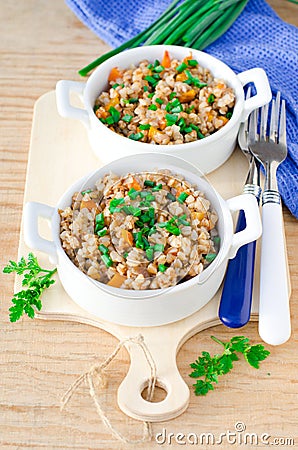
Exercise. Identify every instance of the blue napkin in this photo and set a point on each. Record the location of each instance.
(258, 38)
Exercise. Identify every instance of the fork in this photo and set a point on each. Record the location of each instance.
(236, 298)
(271, 150)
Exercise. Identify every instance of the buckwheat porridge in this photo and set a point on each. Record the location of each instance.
(168, 102)
(146, 230)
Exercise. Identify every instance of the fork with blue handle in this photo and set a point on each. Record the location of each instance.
(236, 298)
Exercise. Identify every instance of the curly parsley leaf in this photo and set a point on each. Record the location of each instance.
(210, 367)
(35, 279)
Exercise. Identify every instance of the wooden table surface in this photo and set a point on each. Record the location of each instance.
(41, 43)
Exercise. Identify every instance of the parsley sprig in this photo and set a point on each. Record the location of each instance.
(36, 281)
(210, 367)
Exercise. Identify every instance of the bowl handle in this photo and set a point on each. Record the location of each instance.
(263, 96)
(65, 109)
(32, 211)
(253, 230)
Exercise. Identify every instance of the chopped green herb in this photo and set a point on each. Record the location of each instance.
(187, 130)
(177, 109)
(146, 88)
(156, 188)
(150, 66)
(102, 232)
(211, 99)
(131, 210)
(133, 194)
(127, 118)
(86, 192)
(99, 218)
(115, 85)
(156, 63)
(152, 107)
(192, 62)
(229, 115)
(151, 94)
(150, 254)
(159, 101)
(210, 257)
(151, 80)
(144, 126)
(133, 100)
(115, 114)
(171, 197)
(159, 69)
(216, 240)
(152, 230)
(125, 255)
(136, 136)
(109, 120)
(162, 268)
(107, 260)
(182, 197)
(197, 129)
(103, 249)
(159, 247)
(181, 67)
(149, 183)
(193, 80)
(171, 119)
(190, 109)
(172, 95)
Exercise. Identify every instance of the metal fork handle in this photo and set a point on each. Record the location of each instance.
(274, 312)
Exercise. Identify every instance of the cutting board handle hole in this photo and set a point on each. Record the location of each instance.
(159, 394)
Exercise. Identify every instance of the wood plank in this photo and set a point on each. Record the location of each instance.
(41, 44)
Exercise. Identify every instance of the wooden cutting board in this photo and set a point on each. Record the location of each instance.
(59, 155)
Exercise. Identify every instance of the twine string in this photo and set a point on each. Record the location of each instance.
(96, 372)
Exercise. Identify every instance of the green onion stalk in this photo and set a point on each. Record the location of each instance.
(191, 23)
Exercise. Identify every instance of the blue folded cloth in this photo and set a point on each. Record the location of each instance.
(258, 38)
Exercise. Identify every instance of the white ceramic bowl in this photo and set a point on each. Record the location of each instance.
(148, 307)
(208, 153)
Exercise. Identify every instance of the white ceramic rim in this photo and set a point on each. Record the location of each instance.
(233, 81)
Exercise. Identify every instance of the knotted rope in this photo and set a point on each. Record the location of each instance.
(96, 372)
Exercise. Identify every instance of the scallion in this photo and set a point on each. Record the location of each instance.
(136, 136)
(144, 126)
(107, 260)
(182, 197)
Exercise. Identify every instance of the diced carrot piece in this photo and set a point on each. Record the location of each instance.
(115, 74)
(113, 102)
(187, 58)
(89, 204)
(224, 119)
(152, 132)
(197, 215)
(135, 185)
(127, 236)
(166, 60)
(187, 96)
(101, 113)
(210, 117)
(181, 77)
(117, 280)
(220, 86)
(161, 124)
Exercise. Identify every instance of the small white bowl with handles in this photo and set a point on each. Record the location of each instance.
(148, 307)
(208, 153)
